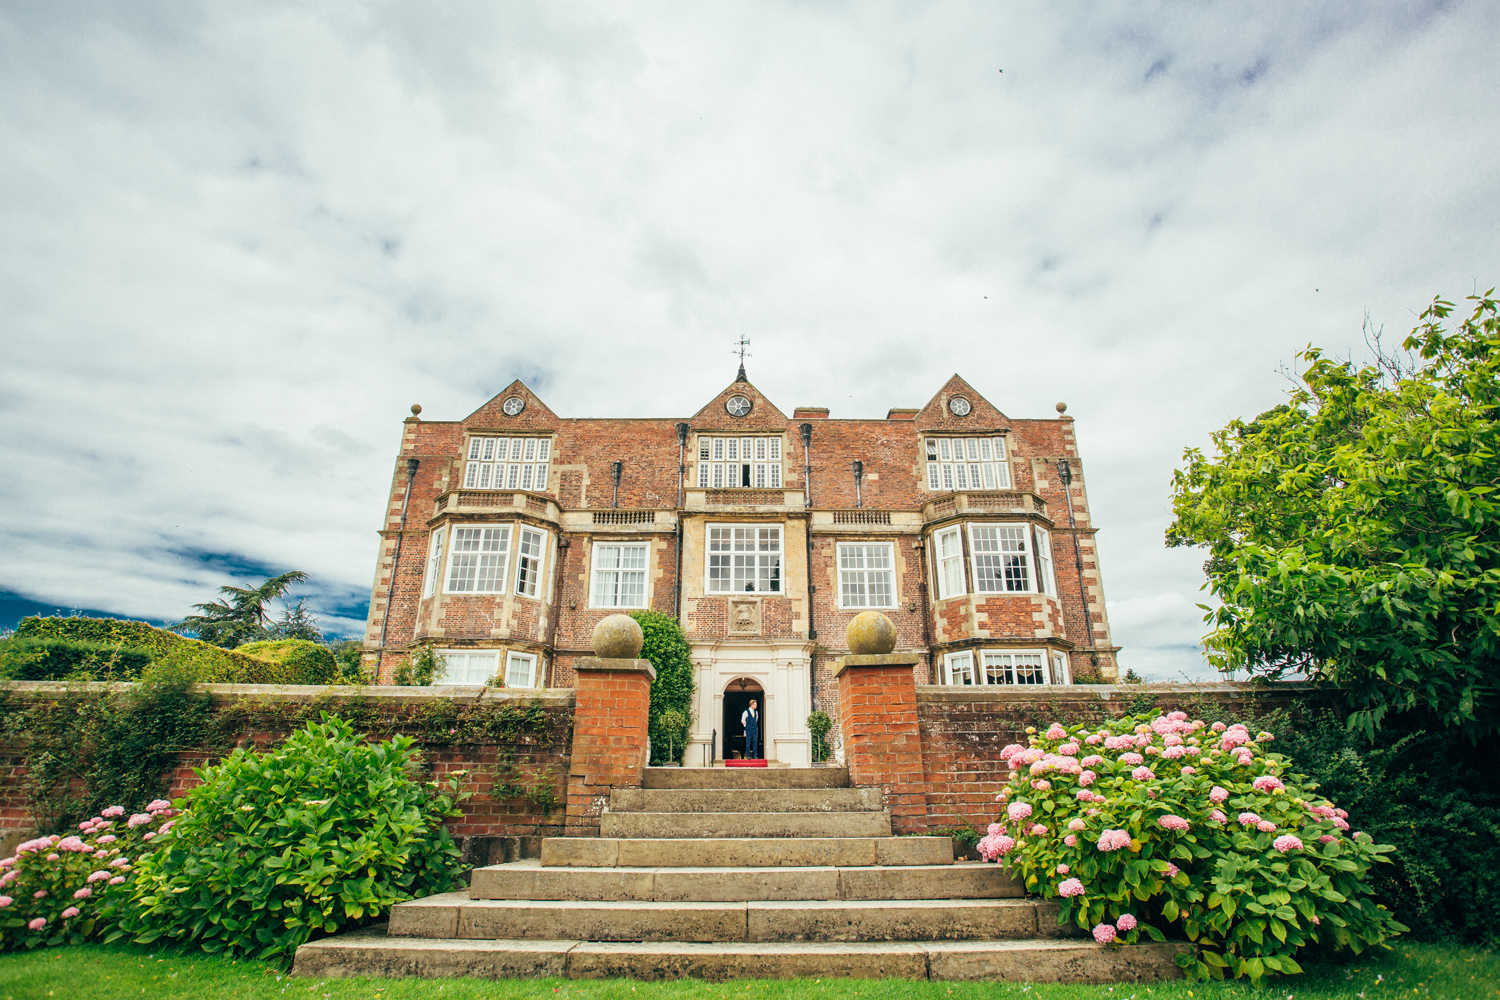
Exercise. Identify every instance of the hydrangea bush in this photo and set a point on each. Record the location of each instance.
(1158, 825)
(58, 890)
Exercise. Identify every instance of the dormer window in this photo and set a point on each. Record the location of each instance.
(508, 463)
(727, 463)
(967, 464)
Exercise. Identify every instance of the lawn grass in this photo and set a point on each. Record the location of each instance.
(91, 972)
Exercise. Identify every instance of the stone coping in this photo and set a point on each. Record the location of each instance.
(1041, 694)
(387, 695)
(614, 665)
(876, 660)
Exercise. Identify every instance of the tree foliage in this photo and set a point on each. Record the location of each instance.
(1352, 530)
(667, 649)
(239, 616)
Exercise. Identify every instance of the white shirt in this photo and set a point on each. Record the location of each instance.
(745, 717)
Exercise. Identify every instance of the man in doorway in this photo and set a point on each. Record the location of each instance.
(750, 719)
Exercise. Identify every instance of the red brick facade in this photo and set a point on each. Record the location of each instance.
(639, 486)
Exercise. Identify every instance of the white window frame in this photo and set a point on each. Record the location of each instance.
(1062, 671)
(1042, 548)
(600, 574)
(463, 666)
(1009, 532)
(736, 556)
(952, 661)
(725, 462)
(501, 573)
(859, 577)
(501, 463)
(513, 659)
(966, 464)
(951, 578)
(530, 564)
(1036, 674)
(434, 562)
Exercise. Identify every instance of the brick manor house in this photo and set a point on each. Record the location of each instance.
(510, 533)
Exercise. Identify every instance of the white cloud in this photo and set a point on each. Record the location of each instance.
(239, 242)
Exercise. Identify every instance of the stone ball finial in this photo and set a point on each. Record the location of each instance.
(1062, 407)
(618, 637)
(416, 408)
(871, 632)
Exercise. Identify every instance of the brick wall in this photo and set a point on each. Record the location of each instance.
(496, 824)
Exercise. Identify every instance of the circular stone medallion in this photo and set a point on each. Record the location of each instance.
(513, 406)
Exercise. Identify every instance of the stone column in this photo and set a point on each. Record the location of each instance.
(609, 722)
(878, 720)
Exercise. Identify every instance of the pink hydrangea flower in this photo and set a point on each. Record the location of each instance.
(1011, 749)
(1075, 824)
(1093, 740)
(995, 830)
(1056, 732)
(993, 847)
(98, 876)
(54, 857)
(1188, 770)
(1249, 819)
(1218, 817)
(1327, 838)
(1173, 717)
(117, 880)
(1092, 812)
(1218, 795)
(1092, 760)
(1062, 869)
(1104, 933)
(37, 924)
(1172, 870)
(1132, 758)
(1126, 922)
(1340, 822)
(139, 819)
(149, 836)
(1018, 811)
(70, 912)
(1142, 774)
(1172, 740)
(112, 812)
(1153, 751)
(86, 826)
(108, 838)
(158, 805)
(1268, 783)
(1218, 727)
(1084, 795)
(1071, 840)
(5, 901)
(1087, 778)
(83, 893)
(1266, 826)
(1038, 830)
(1173, 822)
(119, 862)
(1113, 840)
(1174, 753)
(1068, 749)
(1071, 887)
(1287, 843)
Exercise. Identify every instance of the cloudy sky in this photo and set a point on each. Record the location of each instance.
(240, 240)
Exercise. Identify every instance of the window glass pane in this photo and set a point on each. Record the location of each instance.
(943, 449)
(997, 669)
(1029, 668)
(525, 477)
(932, 476)
(718, 449)
(519, 671)
(733, 449)
(471, 475)
(972, 444)
(703, 474)
(932, 449)
(544, 450)
(984, 449)
(775, 449)
(476, 445)
(961, 668)
(775, 475)
(703, 445)
(530, 450)
(529, 562)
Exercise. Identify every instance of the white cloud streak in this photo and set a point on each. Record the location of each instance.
(240, 241)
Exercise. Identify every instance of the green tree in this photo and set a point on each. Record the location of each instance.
(667, 649)
(240, 618)
(296, 622)
(1352, 530)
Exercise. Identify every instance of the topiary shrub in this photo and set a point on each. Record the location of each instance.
(667, 649)
(204, 662)
(58, 659)
(323, 833)
(819, 724)
(1147, 825)
(310, 662)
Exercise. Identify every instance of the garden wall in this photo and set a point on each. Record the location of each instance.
(963, 730)
(515, 746)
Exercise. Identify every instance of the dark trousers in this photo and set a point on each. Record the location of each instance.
(752, 742)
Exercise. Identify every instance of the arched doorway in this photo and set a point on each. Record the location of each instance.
(737, 696)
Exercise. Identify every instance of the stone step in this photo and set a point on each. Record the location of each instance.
(744, 852)
(745, 777)
(744, 824)
(725, 800)
(530, 880)
(455, 915)
(370, 953)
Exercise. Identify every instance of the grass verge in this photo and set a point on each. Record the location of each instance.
(93, 972)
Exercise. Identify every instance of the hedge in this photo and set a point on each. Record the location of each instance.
(29, 659)
(311, 661)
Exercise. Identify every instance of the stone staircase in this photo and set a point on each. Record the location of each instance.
(736, 873)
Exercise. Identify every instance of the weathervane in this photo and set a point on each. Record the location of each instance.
(743, 353)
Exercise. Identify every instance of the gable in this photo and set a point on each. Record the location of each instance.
(983, 416)
(763, 416)
(537, 416)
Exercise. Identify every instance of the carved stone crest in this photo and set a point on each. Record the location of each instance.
(744, 617)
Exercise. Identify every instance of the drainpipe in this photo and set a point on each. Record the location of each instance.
(614, 470)
(1065, 476)
(812, 633)
(682, 433)
(859, 475)
(922, 592)
(390, 594)
(550, 672)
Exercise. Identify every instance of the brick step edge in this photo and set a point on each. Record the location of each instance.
(369, 953)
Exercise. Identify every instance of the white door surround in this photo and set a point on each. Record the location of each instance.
(780, 668)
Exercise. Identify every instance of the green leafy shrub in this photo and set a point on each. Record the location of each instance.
(1436, 799)
(320, 834)
(311, 662)
(206, 663)
(674, 728)
(819, 724)
(58, 659)
(667, 649)
(421, 668)
(54, 890)
(1144, 824)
